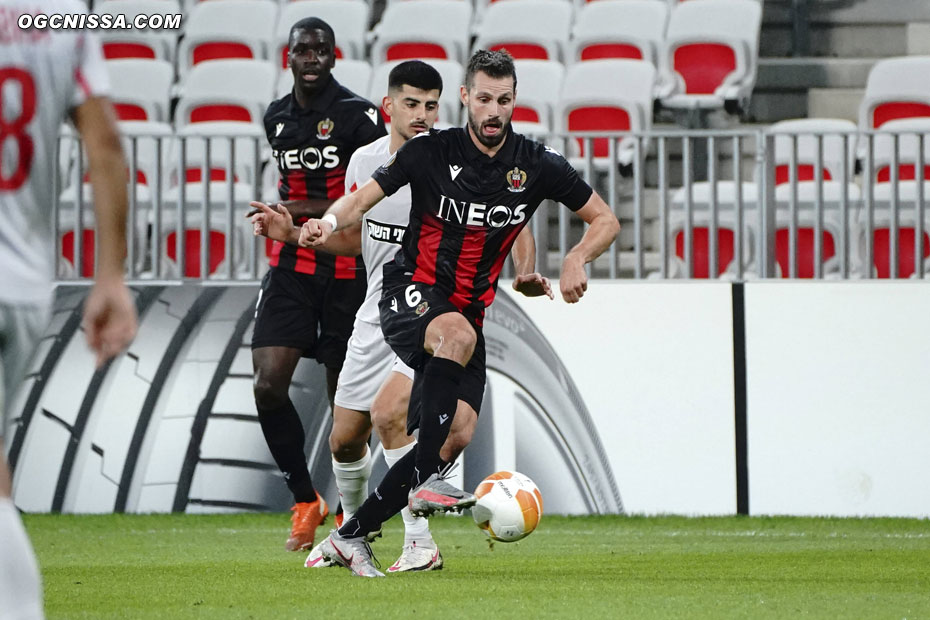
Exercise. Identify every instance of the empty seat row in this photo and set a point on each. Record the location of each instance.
(705, 49)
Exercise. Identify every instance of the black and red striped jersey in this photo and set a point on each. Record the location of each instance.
(467, 208)
(312, 148)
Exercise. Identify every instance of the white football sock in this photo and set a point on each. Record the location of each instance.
(352, 482)
(415, 528)
(20, 584)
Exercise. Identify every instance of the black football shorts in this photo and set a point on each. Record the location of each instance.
(308, 312)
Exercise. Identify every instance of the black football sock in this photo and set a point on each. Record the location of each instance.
(285, 436)
(439, 398)
(387, 500)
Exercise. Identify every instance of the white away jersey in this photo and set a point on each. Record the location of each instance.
(43, 75)
(382, 227)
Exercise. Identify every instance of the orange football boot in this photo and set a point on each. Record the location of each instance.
(306, 518)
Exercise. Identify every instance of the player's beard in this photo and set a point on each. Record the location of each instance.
(488, 141)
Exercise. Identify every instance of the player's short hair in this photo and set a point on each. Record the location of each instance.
(312, 23)
(498, 64)
(415, 73)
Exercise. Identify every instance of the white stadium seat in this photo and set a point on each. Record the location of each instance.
(896, 88)
(211, 94)
(606, 95)
(139, 43)
(539, 83)
(139, 89)
(710, 55)
(611, 29)
(223, 29)
(423, 29)
(526, 28)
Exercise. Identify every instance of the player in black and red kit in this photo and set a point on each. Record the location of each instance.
(308, 299)
(472, 190)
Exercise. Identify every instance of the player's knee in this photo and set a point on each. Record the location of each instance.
(387, 421)
(454, 340)
(268, 394)
(345, 448)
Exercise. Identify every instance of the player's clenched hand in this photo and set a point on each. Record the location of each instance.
(314, 232)
(272, 222)
(109, 319)
(533, 285)
(574, 281)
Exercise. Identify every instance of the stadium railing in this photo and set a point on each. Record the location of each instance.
(691, 204)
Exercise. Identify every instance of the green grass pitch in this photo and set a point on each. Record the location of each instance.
(234, 566)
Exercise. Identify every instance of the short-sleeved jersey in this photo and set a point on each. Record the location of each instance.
(467, 208)
(312, 148)
(43, 75)
(382, 226)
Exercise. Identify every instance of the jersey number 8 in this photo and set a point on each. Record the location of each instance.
(15, 128)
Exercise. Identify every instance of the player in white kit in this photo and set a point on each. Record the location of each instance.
(44, 76)
(374, 385)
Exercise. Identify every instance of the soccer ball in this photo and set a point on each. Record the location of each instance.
(509, 506)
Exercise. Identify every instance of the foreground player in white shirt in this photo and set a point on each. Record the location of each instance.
(44, 75)
(374, 385)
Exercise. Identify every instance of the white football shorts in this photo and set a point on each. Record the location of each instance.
(368, 362)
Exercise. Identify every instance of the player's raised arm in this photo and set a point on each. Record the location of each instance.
(527, 281)
(345, 212)
(109, 312)
(603, 228)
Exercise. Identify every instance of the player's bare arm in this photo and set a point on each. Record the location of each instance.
(527, 281)
(276, 223)
(602, 230)
(306, 207)
(109, 312)
(345, 212)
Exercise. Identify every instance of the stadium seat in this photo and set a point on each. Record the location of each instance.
(630, 29)
(219, 135)
(209, 93)
(834, 159)
(423, 29)
(539, 84)
(537, 29)
(701, 229)
(710, 54)
(605, 95)
(896, 88)
(144, 43)
(139, 89)
(908, 130)
(218, 30)
(453, 76)
(831, 239)
(225, 232)
(882, 235)
(348, 18)
(141, 138)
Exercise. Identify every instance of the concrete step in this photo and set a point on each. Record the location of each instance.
(783, 83)
(835, 103)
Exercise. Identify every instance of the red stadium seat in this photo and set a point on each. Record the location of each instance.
(423, 29)
(231, 29)
(710, 53)
(632, 29)
(192, 244)
(896, 88)
(88, 238)
(701, 250)
(209, 95)
(881, 251)
(528, 29)
(806, 257)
